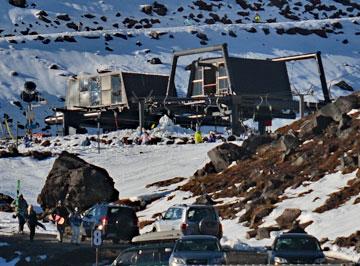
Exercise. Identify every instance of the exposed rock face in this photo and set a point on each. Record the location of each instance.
(76, 183)
(5, 203)
(18, 3)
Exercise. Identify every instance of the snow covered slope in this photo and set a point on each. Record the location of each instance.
(31, 40)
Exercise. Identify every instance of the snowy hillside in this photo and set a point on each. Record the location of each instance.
(50, 40)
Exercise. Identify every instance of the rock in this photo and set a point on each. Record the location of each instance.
(253, 142)
(223, 155)
(40, 155)
(232, 34)
(90, 16)
(64, 17)
(251, 234)
(119, 35)
(54, 67)
(203, 5)
(45, 143)
(76, 183)
(286, 219)
(72, 25)
(231, 138)
(147, 9)
(207, 169)
(18, 3)
(262, 233)
(159, 9)
(289, 142)
(316, 125)
(155, 61)
(5, 203)
(345, 122)
(68, 38)
(202, 36)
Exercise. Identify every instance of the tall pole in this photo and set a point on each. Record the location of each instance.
(141, 112)
(17, 134)
(98, 131)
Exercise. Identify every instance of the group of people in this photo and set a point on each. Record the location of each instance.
(60, 216)
(26, 214)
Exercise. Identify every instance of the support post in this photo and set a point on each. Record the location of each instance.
(323, 78)
(302, 106)
(98, 133)
(17, 134)
(235, 120)
(141, 112)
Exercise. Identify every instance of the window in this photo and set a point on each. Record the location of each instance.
(197, 245)
(173, 214)
(197, 83)
(197, 214)
(116, 89)
(223, 83)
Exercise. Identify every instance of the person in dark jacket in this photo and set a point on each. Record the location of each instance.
(20, 210)
(60, 214)
(75, 220)
(296, 228)
(32, 221)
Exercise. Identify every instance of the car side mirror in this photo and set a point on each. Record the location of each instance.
(268, 248)
(226, 248)
(326, 249)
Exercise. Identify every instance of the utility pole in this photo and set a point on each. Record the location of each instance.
(17, 134)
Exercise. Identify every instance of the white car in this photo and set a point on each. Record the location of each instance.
(190, 220)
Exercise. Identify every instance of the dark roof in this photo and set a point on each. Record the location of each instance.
(259, 77)
(142, 84)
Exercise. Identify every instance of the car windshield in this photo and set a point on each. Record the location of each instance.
(197, 245)
(148, 256)
(297, 244)
(197, 214)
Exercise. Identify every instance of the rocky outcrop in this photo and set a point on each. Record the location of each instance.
(223, 155)
(76, 183)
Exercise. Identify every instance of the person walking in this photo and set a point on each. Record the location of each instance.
(31, 221)
(59, 215)
(20, 210)
(75, 222)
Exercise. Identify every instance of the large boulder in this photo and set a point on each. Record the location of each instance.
(18, 3)
(223, 155)
(253, 142)
(77, 183)
(286, 219)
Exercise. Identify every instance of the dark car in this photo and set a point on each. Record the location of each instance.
(117, 222)
(296, 248)
(144, 255)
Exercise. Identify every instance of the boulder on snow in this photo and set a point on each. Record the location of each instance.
(289, 142)
(5, 203)
(18, 3)
(77, 183)
(286, 219)
(223, 155)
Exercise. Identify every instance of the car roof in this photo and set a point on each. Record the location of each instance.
(296, 235)
(190, 237)
(192, 205)
(150, 246)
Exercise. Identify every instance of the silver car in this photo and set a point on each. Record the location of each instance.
(197, 250)
(191, 220)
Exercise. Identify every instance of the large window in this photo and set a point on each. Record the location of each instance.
(197, 83)
(223, 80)
(116, 89)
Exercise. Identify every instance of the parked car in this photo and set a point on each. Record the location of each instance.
(117, 222)
(191, 220)
(197, 250)
(150, 254)
(296, 248)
